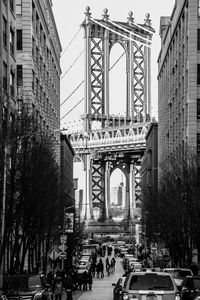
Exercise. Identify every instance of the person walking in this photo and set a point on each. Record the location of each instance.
(79, 281)
(93, 268)
(89, 279)
(101, 268)
(85, 280)
(58, 290)
(113, 262)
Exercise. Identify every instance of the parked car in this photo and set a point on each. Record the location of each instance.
(83, 266)
(190, 288)
(123, 251)
(21, 287)
(178, 274)
(150, 285)
(136, 266)
(117, 291)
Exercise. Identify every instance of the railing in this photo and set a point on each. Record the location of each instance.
(131, 136)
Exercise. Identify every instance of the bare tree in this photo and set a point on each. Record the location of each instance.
(179, 205)
(32, 196)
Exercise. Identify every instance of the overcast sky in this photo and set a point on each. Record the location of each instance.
(69, 15)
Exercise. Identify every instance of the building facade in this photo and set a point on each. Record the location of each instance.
(149, 182)
(7, 63)
(38, 60)
(179, 80)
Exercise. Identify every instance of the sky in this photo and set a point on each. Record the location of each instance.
(68, 16)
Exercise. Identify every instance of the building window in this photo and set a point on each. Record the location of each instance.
(198, 109)
(12, 5)
(198, 73)
(33, 80)
(18, 7)
(19, 75)
(12, 83)
(4, 32)
(198, 144)
(198, 39)
(19, 39)
(5, 76)
(12, 41)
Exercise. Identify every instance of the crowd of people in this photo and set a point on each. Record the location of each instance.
(74, 280)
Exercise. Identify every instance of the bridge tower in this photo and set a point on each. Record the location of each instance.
(118, 142)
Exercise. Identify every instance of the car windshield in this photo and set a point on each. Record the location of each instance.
(180, 274)
(196, 283)
(81, 267)
(17, 283)
(82, 263)
(151, 282)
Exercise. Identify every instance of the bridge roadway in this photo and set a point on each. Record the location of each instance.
(102, 288)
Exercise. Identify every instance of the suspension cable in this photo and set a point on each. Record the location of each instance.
(116, 61)
(72, 108)
(125, 36)
(72, 92)
(121, 27)
(137, 25)
(72, 64)
(70, 42)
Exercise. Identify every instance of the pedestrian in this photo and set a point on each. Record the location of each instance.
(98, 267)
(68, 282)
(79, 281)
(89, 279)
(101, 268)
(108, 268)
(93, 268)
(58, 290)
(107, 261)
(113, 262)
(85, 280)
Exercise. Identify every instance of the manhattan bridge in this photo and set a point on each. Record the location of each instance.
(108, 142)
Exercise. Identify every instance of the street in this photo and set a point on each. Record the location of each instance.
(102, 288)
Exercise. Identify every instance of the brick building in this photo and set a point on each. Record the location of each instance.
(179, 79)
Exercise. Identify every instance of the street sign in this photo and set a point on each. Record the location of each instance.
(63, 247)
(54, 254)
(62, 255)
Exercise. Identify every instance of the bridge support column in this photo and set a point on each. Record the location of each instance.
(87, 189)
(132, 190)
(127, 199)
(107, 188)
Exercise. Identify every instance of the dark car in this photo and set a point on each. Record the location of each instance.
(178, 274)
(150, 286)
(190, 288)
(19, 287)
(117, 291)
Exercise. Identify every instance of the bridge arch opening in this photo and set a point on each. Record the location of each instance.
(80, 173)
(117, 80)
(117, 205)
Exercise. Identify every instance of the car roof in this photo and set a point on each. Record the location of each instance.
(176, 269)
